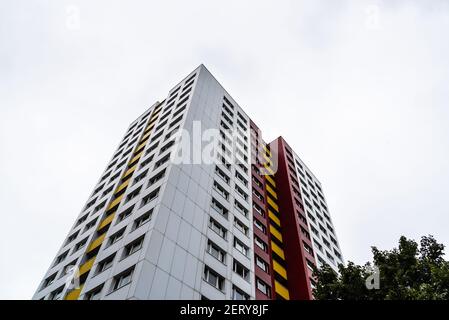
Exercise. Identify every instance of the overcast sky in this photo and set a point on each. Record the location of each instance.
(359, 89)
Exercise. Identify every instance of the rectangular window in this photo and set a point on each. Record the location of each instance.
(240, 246)
(215, 251)
(133, 247)
(260, 226)
(80, 244)
(222, 175)
(219, 208)
(125, 214)
(262, 245)
(105, 263)
(262, 287)
(122, 279)
(221, 190)
(49, 280)
(156, 178)
(61, 257)
(261, 263)
(133, 194)
(141, 176)
(238, 268)
(94, 294)
(57, 294)
(153, 195)
(213, 278)
(90, 225)
(140, 221)
(218, 228)
(241, 208)
(241, 226)
(161, 161)
(238, 294)
(117, 236)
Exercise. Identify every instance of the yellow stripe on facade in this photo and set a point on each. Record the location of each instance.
(275, 233)
(115, 202)
(279, 269)
(137, 157)
(273, 204)
(74, 294)
(277, 250)
(130, 170)
(122, 186)
(96, 243)
(274, 218)
(271, 191)
(281, 290)
(271, 180)
(106, 221)
(87, 266)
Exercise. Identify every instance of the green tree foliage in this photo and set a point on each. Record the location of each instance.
(409, 272)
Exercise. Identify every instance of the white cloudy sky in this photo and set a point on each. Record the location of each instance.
(360, 89)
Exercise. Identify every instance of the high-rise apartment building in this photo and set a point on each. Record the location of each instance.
(195, 205)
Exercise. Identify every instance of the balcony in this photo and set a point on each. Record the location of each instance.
(74, 294)
(87, 266)
(96, 243)
(106, 221)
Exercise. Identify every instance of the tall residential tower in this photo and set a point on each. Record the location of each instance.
(240, 219)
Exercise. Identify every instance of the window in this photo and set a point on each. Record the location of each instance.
(147, 161)
(57, 294)
(49, 280)
(81, 220)
(122, 279)
(221, 190)
(241, 208)
(141, 176)
(238, 268)
(240, 246)
(72, 237)
(167, 146)
(161, 161)
(153, 195)
(156, 178)
(94, 294)
(116, 236)
(262, 245)
(125, 214)
(133, 247)
(258, 209)
(238, 294)
(213, 278)
(222, 175)
(260, 226)
(241, 178)
(80, 244)
(241, 192)
(241, 226)
(261, 263)
(176, 121)
(262, 287)
(307, 248)
(90, 225)
(217, 228)
(216, 251)
(133, 194)
(140, 221)
(105, 263)
(61, 257)
(219, 208)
